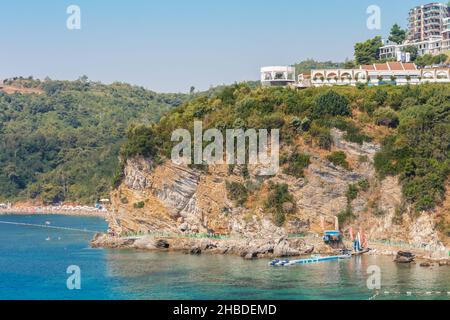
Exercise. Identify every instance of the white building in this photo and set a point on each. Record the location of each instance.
(433, 46)
(277, 76)
(396, 73)
(446, 35)
(426, 21)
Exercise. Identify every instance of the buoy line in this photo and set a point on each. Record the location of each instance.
(46, 226)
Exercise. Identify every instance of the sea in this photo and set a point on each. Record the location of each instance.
(48, 257)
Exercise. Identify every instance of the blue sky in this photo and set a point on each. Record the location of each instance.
(170, 45)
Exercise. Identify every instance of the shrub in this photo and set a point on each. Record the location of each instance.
(139, 205)
(408, 102)
(296, 164)
(339, 158)
(368, 106)
(398, 215)
(321, 135)
(237, 192)
(352, 132)
(345, 216)
(380, 96)
(386, 117)
(360, 86)
(363, 185)
(331, 103)
(352, 193)
(278, 195)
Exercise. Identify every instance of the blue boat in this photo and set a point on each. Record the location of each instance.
(313, 259)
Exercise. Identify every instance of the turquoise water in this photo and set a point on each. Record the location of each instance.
(33, 263)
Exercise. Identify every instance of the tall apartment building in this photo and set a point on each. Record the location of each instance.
(426, 22)
(446, 35)
(428, 31)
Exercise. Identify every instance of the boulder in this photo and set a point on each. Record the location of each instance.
(404, 257)
(426, 264)
(195, 251)
(283, 249)
(161, 244)
(250, 256)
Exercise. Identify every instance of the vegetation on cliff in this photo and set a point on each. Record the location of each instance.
(412, 122)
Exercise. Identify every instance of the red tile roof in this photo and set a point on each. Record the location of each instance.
(409, 66)
(395, 66)
(390, 66)
(368, 67)
(381, 67)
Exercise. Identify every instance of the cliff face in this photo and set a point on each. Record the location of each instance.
(177, 199)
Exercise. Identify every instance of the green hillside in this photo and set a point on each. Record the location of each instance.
(63, 144)
(412, 123)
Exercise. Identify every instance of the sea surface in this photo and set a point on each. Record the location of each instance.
(34, 262)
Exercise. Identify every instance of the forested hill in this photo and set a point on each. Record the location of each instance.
(61, 142)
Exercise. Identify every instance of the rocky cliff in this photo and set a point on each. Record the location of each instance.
(179, 200)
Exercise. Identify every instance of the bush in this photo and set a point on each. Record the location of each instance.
(139, 205)
(408, 102)
(331, 103)
(339, 158)
(345, 216)
(237, 192)
(352, 132)
(278, 195)
(352, 193)
(363, 185)
(360, 86)
(296, 164)
(380, 96)
(386, 117)
(321, 135)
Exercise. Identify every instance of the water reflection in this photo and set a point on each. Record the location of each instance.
(147, 275)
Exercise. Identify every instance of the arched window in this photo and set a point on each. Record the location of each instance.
(428, 75)
(442, 75)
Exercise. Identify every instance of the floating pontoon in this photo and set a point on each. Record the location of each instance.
(313, 259)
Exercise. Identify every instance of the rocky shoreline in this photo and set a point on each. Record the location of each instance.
(248, 249)
(245, 248)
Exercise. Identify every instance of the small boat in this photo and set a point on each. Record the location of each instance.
(48, 239)
(313, 259)
(48, 223)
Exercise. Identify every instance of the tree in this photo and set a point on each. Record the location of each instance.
(369, 51)
(398, 35)
(386, 117)
(412, 50)
(349, 64)
(440, 58)
(331, 103)
(425, 60)
(308, 64)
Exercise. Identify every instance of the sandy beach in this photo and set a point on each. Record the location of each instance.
(60, 210)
